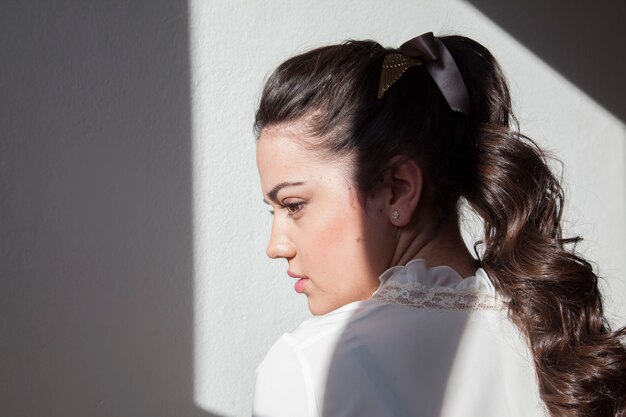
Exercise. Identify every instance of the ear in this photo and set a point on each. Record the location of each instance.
(405, 181)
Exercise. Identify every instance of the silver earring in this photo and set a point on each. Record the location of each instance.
(395, 215)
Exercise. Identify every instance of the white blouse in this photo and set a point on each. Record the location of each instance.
(428, 343)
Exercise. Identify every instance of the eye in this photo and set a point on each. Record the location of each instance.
(293, 208)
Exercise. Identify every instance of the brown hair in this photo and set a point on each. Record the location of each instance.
(502, 174)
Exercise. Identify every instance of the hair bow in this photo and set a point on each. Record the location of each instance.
(440, 64)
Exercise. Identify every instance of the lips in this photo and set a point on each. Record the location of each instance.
(300, 285)
(294, 275)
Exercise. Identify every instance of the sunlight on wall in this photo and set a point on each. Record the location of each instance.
(243, 301)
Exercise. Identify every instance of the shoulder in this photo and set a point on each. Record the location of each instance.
(379, 358)
(290, 379)
(413, 330)
(283, 384)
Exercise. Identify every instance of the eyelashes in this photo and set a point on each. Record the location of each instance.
(292, 209)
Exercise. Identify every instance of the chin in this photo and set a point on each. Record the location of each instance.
(318, 310)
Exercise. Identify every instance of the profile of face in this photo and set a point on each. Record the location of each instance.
(335, 243)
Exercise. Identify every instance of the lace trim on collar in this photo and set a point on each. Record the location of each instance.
(439, 288)
(419, 296)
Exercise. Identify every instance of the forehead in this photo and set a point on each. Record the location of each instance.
(279, 143)
(287, 152)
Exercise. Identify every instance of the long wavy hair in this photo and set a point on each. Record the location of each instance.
(483, 159)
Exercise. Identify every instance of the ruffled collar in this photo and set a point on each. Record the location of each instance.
(440, 287)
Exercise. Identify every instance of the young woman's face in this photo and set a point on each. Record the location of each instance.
(335, 247)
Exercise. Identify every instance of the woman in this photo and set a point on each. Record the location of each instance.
(366, 154)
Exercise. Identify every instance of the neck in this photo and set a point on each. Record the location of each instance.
(438, 246)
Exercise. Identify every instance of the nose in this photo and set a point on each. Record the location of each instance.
(280, 246)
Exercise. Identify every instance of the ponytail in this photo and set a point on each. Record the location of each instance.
(552, 291)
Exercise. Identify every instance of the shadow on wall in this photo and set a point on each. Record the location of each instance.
(583, 41)
(96, 306)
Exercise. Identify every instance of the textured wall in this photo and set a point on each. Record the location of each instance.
(96, 284)
(133, 279)
(244, 301)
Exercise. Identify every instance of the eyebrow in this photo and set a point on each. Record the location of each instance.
(273, 193)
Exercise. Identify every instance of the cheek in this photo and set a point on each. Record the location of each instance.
(336, 241)
(341, 225)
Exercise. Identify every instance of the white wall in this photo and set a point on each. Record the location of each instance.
(244, 301)
(133, 279)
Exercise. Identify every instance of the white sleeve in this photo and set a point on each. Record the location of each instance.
(283, 385)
